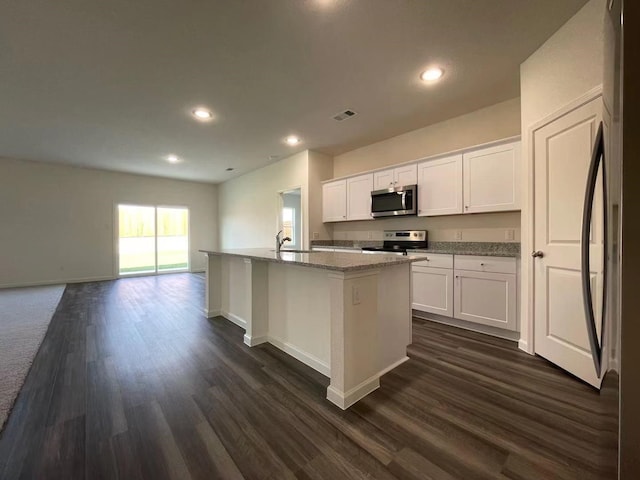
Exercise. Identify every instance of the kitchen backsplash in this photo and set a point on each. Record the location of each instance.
(503, 227)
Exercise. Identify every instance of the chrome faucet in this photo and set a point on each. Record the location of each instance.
(279, 242)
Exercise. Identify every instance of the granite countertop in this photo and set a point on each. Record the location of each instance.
(491, 249)
(342, 262)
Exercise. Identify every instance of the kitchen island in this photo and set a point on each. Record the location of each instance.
(347, 315)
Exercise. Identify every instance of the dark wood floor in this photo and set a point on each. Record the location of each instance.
(132, 382)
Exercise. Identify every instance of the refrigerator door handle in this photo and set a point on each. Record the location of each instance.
(587, 297)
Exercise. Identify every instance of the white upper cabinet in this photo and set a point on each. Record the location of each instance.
(383, 179)
(395, 177)
(359, 197)
(440, 186)
(492, 179)
(334, 201)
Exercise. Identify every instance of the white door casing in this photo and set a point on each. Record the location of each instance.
(561, 154)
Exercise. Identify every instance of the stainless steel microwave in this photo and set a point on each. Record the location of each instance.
(392, 202)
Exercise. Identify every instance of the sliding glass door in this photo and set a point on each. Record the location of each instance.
(152, 239)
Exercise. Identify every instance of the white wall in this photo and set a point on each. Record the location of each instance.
(481, 227)
(482, 126)
(565, 67)
(248, 205)
(57, 222)
(320, 168)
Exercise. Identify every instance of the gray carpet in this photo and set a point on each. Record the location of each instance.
(25, 314)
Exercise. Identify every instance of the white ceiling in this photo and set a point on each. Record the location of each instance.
(110, 84)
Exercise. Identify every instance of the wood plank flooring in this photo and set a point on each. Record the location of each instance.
(132, 382)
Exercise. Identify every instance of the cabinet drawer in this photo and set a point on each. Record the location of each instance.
(434, 260)
(485, 264)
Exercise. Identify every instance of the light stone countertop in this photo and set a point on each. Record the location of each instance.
(489, 249)
(342, 262)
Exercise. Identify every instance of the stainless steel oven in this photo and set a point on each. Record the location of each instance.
(392, 202)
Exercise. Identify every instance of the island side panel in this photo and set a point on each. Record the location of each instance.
(394, 316)
(370, 329)
(236, 290)
(355, 356)
(299, 316)
(257, 320)
(213, 290)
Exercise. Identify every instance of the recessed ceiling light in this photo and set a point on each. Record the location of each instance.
(173, 159)
(432, 74)
(202, 114)
(292, 140)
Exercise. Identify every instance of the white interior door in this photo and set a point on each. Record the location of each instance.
(562, 154)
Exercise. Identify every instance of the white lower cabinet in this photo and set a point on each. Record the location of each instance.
(432, 280)
(476, 289)
(433, 290)
(487, 294)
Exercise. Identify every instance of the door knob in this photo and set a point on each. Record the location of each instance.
(537, 254)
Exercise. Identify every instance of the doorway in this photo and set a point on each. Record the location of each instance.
(152, 239)
(290, 217)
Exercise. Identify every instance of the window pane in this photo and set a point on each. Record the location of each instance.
(288, 225)
(137, 243)
(173, 239)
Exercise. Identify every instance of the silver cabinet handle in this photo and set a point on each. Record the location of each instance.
(537, 254)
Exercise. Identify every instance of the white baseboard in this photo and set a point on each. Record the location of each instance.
(613, 365)
(474, 327)
(253, 341)
(345, 399)
(232, 317)
(304, 357)
(56, 282)
(524, 346)
(212, 313)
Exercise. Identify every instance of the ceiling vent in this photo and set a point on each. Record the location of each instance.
(344, 115)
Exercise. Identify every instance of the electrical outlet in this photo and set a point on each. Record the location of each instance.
(316, 235)
(355, 295)
(509, 234)
(369, 235)
(458, 235)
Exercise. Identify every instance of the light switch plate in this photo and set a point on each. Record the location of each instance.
(458, 235)
(509, 234)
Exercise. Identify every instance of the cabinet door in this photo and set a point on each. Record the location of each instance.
(485, 298)
(359, 197)
(383, 179)
(432, 290)
(492, 179)
(334, 201)
(407, 175)
(440, 186)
